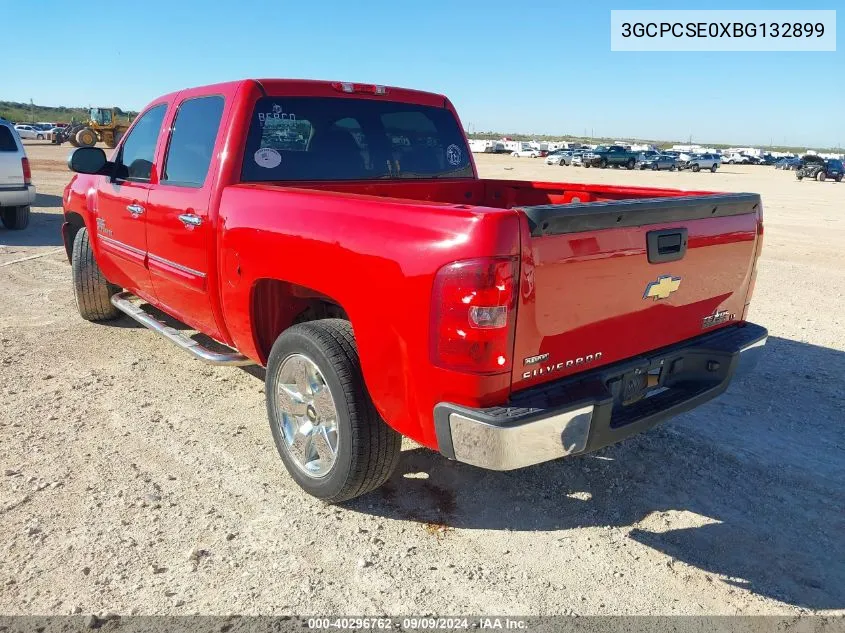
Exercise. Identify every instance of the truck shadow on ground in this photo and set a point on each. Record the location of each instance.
(750, 486)
(44, 229)
(48, 201)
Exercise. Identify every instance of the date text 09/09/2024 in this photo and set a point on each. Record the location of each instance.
(422, 623)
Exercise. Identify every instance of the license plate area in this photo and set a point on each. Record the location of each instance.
(662, 381)
(636, 384)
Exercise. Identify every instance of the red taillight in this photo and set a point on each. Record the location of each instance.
(473, 315)
(27, 172)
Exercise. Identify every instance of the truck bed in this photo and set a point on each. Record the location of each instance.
(499, 194)
(588, 265)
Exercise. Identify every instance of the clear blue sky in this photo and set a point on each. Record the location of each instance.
(513, 66)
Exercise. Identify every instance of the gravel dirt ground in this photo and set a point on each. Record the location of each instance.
(136, 480)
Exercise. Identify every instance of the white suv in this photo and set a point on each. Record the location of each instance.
(16, 189)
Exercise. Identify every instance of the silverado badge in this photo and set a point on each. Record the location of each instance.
(662, 288)
(717, 318)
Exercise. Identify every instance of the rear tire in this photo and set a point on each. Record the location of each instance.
(366, 449)
(92, 291)
(15, 218)
(39, 137)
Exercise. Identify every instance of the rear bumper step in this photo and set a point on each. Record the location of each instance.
(586, 412)
(122, 301)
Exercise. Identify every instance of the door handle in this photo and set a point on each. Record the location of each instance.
(135, 209)
(190, 220)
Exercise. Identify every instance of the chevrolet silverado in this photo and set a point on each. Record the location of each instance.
(339, 235)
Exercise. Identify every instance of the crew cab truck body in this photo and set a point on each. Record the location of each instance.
(339, 235)
(610, 155)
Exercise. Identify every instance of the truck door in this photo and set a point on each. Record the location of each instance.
(122, 200)
(179, 229)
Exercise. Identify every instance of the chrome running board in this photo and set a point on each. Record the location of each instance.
(122, 302)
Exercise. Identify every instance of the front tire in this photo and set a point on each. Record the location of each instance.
(695, 168)
(15, 218)
(630, 164)
(822, 176)
(327, 431)
(86, 137)
(92, 291)
(714, 167)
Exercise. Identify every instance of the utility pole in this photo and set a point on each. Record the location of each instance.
(31, 111)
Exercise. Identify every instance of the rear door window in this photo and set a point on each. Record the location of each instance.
(342, 138)
(192, 141)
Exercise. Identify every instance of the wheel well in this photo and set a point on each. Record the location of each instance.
(74, 223)
(277, 305)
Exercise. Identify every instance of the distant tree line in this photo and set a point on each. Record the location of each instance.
(16, 111)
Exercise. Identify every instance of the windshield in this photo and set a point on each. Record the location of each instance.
(601, 148)
(337, 138)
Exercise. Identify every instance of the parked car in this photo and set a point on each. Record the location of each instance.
(560, 157)
(697, 162)
(818, 168)
(16, 189)
(373, 329)
(646, 154)
(608, 155)
(577, 158)
(526, 152)
(29, 131)
(659, 161)
(737, 159)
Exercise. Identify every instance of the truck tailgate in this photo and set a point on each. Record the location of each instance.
(606, 281)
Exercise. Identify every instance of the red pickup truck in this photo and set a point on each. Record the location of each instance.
(339, 234)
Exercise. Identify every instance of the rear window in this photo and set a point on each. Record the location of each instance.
(7, 140)
(319, 138)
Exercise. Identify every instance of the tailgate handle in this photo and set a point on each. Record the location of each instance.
(666, 246)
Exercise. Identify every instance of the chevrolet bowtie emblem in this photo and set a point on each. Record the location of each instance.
(662, 288)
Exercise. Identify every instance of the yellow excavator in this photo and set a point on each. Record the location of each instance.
(103, 126)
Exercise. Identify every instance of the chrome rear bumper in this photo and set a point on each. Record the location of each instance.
(583, 413)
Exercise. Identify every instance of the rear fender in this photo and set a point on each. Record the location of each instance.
(376, 260)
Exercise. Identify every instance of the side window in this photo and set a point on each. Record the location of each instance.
(192, 141)
(138, 150)
(7, 140)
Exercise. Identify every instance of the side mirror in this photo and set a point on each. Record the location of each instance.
(89, 160)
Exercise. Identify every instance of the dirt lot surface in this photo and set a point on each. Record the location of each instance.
(135, 479)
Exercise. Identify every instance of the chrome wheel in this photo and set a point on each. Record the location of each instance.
(307, 416)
